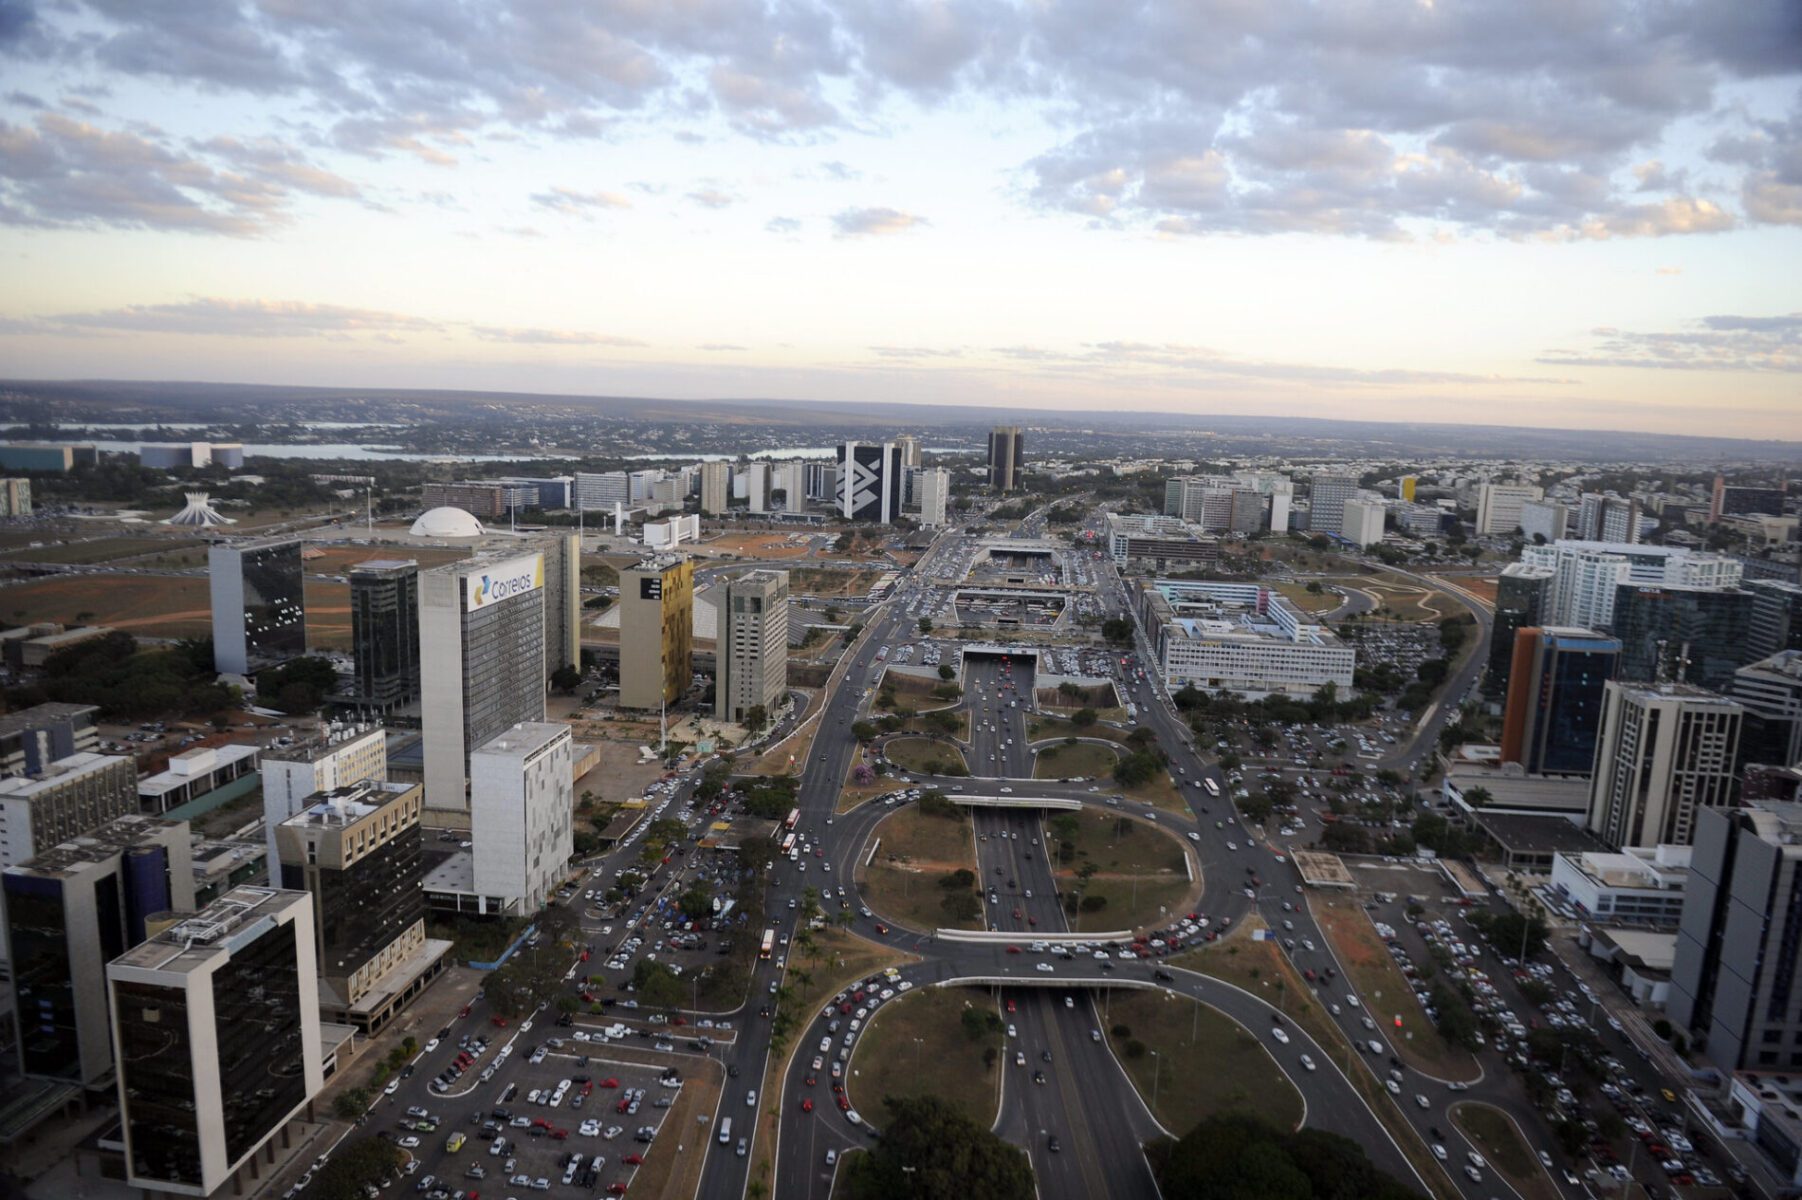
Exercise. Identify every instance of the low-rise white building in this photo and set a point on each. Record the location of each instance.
(1641, 886)
(1241, 637)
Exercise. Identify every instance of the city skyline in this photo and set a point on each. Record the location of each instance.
(1578, 216)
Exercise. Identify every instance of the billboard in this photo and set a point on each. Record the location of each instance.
(502, 580)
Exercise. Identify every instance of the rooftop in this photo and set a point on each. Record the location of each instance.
(98, 846)
(524, 739)
(41, 714)
(334, 739)
(339, 808)
(63, 768)
(1524, 833)
(219, 928)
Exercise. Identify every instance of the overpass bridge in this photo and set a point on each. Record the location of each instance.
(1066, 803)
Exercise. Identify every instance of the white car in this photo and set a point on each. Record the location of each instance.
(1307, 1063)
(1046, 967)
(1280, 1034)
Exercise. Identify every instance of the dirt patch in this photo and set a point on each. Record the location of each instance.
(761, 545)
(926, 755)
(916, 852)
(913, 691)
(155, 606)
(1206, 1062)
(826, 581)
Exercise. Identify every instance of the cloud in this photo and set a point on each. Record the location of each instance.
(917, 351)
(62, 172)
(549, 337)
(573, 203)
(1667, 271)
(719, 347)
(215, 317)
(782, 225)
(713, 197)
(856, 222)
(1761, 344)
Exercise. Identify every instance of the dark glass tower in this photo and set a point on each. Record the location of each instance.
(384, 630)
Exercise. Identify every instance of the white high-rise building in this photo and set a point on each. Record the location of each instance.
(751, 665)
(521, 814)
(1587, 574)
(1363, 522)
(757, 486)
(1498, 506)
(342, 756)
(1664, 751)
(1326, 503)
(600, 491)
(935, 496)
(716, 488)
(790, 478)
(1544, 519)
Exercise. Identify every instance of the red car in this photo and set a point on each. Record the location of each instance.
(610, 1082)
(807, 1104)
(633, 1160)
(811, 1080)
(1013, 949)
(616, 1189)
(622, 1106)
(499, 1022)
(560, 1134)
(881, 928)
(1010, 1006)
(465, 1011)
(844, 1104)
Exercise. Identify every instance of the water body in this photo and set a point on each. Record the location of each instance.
(346, 450)
(808, 452)
(67, 430)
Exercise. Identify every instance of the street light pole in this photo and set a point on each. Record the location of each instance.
(1157, 1074)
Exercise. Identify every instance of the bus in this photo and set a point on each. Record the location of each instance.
(793, 818)
(788, 845)
(882, 654)
(1213, 788)
(769, 943)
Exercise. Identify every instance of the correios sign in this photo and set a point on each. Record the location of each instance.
(503, 580)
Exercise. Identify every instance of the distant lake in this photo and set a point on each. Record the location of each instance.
(346, 450)
(808, 452)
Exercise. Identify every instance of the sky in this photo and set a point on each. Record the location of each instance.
(1565, 213)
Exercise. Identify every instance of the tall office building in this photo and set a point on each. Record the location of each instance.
(869, 481)
(359, 852)
(1007, 457)
(483, 498)
(935, 496)
(599, 491)
(1588, 575)
(757, 487)
(1544, 520)
(1665, 751)
(1499, 505)
(752, 649)
(339, 756)
(1736, 979)
(70, 797)
(822, 481)
(1405, 488)
(521, 812)
(70, 911)
(716, 488)
(788, 486)
(259, 604)
(1363, 523)
(1326, 502)
(1554, 708)
(1776, 617)
(562, 598)
(1607, 519)
(216, 1036)
(656, 631)
(1737, 501)
(1520, 600)
(384, 634)
(481, 633)
(909, 446)
(1771, 691)
(1693, 635)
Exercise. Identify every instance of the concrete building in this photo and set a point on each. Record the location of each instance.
(667, 535)
(656, 632)
(1664, 753)
(522, 808)
(1158, 540)
(751, 659)
(935, 496)
(69, 798)
(1607, 519)
(178, 455)
(15, 497)
(1363, 522)
(1327, 497)
(1734, 981)
(788, 486)
(33, 738)
(67, 913)
(909, 446)
(1418, 520)
(200, 772)
(384, 634)
(1636, 887)
(481, 621)
(869, 481)
(1499, 506)
(1240, 638)
(217, 1039)
(562, 554)
(484, 499)
(1553, 712)
(757, 487)
(359, 852)
(600, 491)
(1735, 501)
(1520, 600)
(552, 493)
(1587, 575)
(1695, 635)
(1544, 520)
(259, 604)
(27, 456)
(821, 480)
(341, 756)
(716, 488)
(1771, 692)
(1776, 617)
(1007, 457)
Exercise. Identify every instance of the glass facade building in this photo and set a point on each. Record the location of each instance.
(1520, 601)
(384, 633)
(1555, 693)
(1683, 634)
(259, 605)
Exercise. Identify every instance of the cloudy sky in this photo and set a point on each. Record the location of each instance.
(1579, 213)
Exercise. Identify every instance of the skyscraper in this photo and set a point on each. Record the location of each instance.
(1694, 635)
(656, 631)
(1363, 522)
(1544, 520)
(1520, 600)
(1589, 573)
(1326, 503)
(340, 756)
(384, 633)
(1664, 752)
(935, 496)
(1499, 505)
(869, 481)
(752, 649)
(909, 446)
(757, 487)
(600, 491)
(259, 604)
(1007, 457)
(521, 814)
(70, 911)
(481, 643)
(562, 554)
(716, 488)
(1554, 707)
(790, 480)
(216, 1036)
(1736, 974)
(1776, 617)
(1771, 691)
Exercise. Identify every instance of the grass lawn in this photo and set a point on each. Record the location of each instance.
(1038, 728)
(666, 1174)
(1119, 844)
(1385, 991)
(1139, 872)
(150, 605)
(1133, 905)
(913, 691)
(924, 754)
(97, 550)
(1084, 760)
(826, 581)
(1207, 1063)
(1260, 968)
(1499, 1141)
(918, 850)
(842, 958)
(1161, 793)
(916, 1046)
(1309, 602)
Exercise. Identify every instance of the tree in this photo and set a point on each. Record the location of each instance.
(756, 717)
(365, 1162)
(961, 906)
(1233, 1156)
(566, 679)
(1117, 629)
(947, 671)
(930, 1151)
(925, 625)
(298, 686)
(656, 985)
(1082, 718)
